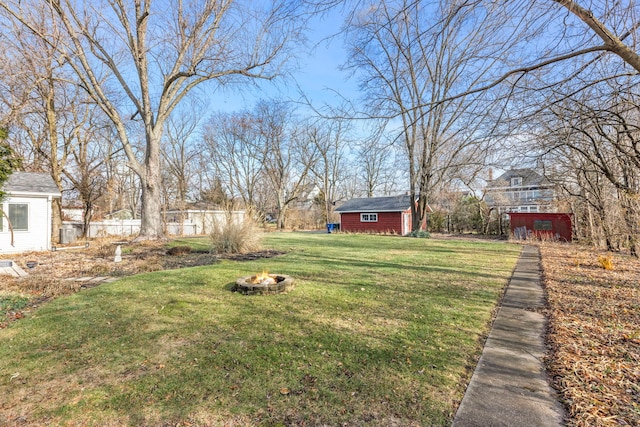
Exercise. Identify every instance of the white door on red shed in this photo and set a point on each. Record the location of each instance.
(406, 223)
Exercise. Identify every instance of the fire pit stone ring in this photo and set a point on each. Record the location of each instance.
(275, 284)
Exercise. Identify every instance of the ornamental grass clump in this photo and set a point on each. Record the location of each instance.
(235, 234)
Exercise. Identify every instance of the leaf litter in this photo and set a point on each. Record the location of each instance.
(594, 333)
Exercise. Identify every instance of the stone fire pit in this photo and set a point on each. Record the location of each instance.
(269, 284)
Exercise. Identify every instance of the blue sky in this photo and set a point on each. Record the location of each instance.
(317, 73)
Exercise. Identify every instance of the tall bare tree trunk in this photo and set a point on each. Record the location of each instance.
(56, 162)
(151, 179)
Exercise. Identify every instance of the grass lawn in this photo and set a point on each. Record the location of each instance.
(380, 330)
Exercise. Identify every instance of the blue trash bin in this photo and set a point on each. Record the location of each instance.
(331, 227)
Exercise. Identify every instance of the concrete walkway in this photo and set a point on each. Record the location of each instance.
(509, 386)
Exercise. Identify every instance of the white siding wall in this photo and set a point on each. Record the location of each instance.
(38, 236)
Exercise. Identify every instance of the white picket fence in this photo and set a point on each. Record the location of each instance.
(178, 223)
(72, 230)
(194, 222)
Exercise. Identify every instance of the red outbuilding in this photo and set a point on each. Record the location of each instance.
(377, 214)
(541, 225)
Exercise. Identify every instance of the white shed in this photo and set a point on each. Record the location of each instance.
(28, 207)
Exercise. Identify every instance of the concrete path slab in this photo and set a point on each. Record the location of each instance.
(10, 268)
(509, 386)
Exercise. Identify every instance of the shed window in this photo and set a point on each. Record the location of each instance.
(19, 216)
(515, 181)
(540, 224)
(368, 217)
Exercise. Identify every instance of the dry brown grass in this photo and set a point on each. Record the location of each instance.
(594, 333)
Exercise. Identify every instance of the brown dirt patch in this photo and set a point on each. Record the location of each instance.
(594, 333)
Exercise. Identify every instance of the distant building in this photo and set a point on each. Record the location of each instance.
(72, 213)
(520, 190)
(122, 214)
(377, 215)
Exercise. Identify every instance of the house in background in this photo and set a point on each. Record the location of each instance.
(121, 214)
(377, 214)
(72, 213)
(27, 211)
(520, 190)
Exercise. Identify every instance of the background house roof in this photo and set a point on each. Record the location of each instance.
(31, 182)
(377, 204)
(529, 177)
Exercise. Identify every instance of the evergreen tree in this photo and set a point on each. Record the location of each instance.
(8, 161)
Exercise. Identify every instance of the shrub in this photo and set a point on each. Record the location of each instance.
(99, 270)
(233, 235)
(605, 262)
(179, 250)
(146, 267)
(420, 234)
(105, 250)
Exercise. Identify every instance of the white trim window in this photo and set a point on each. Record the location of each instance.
(516, 181)
(368, 217)
(18, 214)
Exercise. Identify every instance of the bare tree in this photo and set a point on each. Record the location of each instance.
(90, 149)
(179, 153)
(56, 125)
(589, 195)
(411, 57)
(41, 102)
(139, 60)
(377, 166)
(330, 144)
(612, 42)
(287, 155)
(229, 145)
(600, 132)
(536, 36)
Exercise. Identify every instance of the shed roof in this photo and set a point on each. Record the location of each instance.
(377, 204)
(31, 183)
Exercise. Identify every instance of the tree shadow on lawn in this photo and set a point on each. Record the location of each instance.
(335, 263)
(215, 365)
(321, 367)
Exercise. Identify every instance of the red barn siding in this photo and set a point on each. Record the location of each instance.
(388, 222)
(560, 225)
